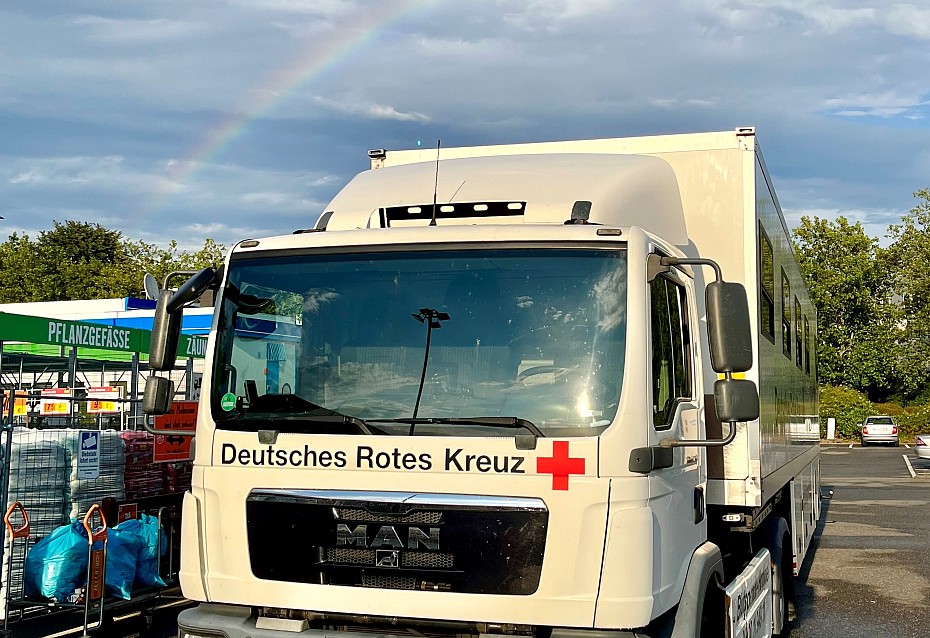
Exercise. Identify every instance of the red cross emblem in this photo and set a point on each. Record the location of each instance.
(560, 465)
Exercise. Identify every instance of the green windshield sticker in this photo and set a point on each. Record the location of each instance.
(228, 402)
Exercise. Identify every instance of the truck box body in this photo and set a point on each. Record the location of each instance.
(500, 493)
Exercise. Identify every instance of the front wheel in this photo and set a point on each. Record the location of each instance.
(712, 613)
(783, 588)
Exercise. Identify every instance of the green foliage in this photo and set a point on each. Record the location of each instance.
(859, 333)
(847, 406)
(913, 421)
(79, 260)
(906, 261)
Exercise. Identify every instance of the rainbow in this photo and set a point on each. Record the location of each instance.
(277, 87)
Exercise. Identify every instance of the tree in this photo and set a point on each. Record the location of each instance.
(19, 275)
(159, 262)
(858, 328)
(906, 260)
(80, 260)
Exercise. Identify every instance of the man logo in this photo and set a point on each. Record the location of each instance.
(387, 536)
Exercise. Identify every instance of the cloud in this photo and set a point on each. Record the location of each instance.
(372, 111)
(108, 31)
(887, 104)
(552, 15)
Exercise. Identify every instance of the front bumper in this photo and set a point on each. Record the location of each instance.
(235, 621)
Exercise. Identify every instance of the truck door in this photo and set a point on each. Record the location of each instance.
(677, 491)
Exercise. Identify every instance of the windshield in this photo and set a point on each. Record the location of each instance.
(531, 333)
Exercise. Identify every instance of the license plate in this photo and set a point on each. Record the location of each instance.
(749, 599)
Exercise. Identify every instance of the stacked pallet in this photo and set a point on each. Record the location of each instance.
(110, 482)
(142, 476)
(39, 470)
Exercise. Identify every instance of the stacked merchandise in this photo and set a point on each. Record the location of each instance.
(178, 476)
(142, 476)
(110, 483)
(39, 480)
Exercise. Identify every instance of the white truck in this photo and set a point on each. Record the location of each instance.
(541, 390)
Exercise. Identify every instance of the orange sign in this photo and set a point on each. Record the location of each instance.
(175, 447)
(50, 406)
(102, 399)
(96, 574)
(20, 404)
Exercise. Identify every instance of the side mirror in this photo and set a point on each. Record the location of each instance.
(736, 400)
(166, 331)
(166, 328)
(157, 397)
(728, 328)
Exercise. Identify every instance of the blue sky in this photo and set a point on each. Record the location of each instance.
(188, 119)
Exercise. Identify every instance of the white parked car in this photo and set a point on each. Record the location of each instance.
(879, 429)
(922, 445)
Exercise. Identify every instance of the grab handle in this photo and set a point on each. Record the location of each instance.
(101, 533)
(23, 530)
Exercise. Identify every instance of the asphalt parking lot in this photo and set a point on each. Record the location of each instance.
(919, 465)
(868, 573)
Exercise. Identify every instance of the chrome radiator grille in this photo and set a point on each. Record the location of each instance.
(391, 540)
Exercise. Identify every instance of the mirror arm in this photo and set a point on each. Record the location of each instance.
(151, 428)
(676, 261)
(701, 442)
(704, 442)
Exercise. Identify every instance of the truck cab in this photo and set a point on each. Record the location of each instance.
(469, 405)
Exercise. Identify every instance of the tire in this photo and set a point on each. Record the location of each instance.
(864, 444)
(712, 612)
(784, 580)
(780, 545)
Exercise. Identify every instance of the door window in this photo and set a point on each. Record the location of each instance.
(671, 356)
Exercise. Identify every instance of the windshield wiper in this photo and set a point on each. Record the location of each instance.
(300, 423)
(481, 421)
(288, 408)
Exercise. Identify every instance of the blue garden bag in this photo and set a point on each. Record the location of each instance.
(57, 564)
(123, 549)
(154, 545)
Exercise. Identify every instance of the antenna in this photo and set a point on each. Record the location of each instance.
(436, 183)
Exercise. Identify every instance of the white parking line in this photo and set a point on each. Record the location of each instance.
(910, 468)
(850, 446)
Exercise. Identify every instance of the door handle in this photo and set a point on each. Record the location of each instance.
(698, 505)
